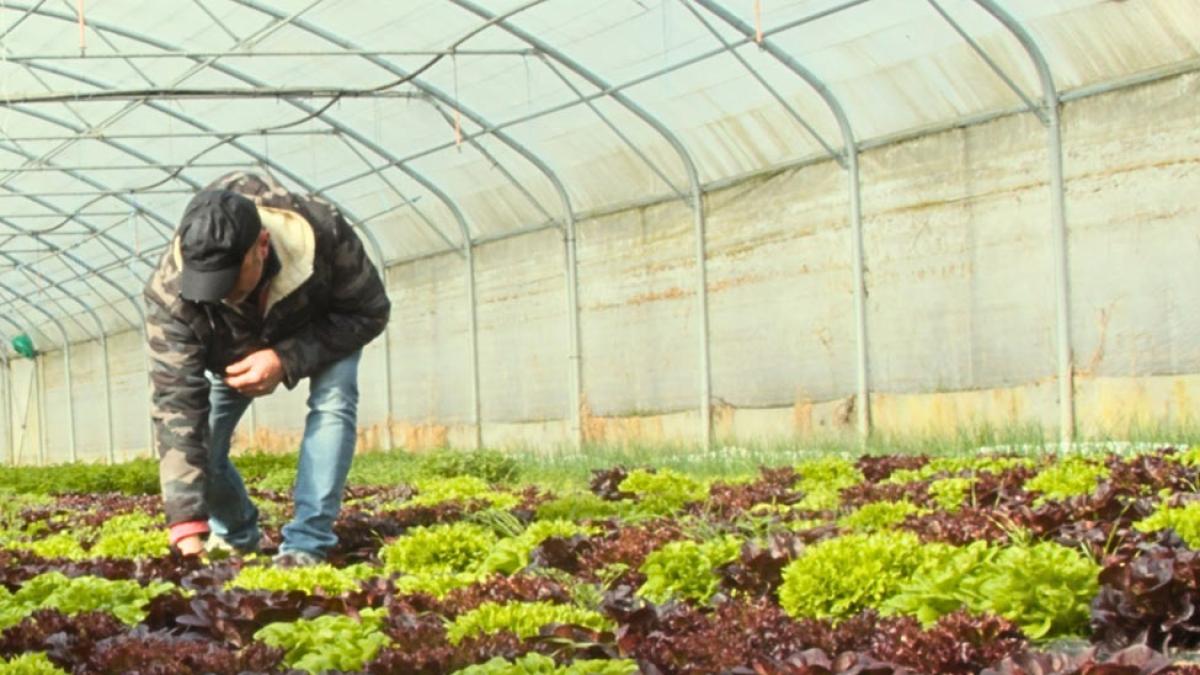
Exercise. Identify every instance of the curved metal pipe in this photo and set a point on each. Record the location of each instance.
(1050, 101)
(696, 203)
(371, 240)
(66, 345)
(234, 73)
(9, 417)
(76, 260)
(102, 336)
(7, 393)
(540, 165)
(856, 241)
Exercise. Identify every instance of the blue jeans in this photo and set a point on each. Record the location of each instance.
(330, 432)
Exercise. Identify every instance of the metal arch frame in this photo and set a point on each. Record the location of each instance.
(641, 79)
(156, 249)
(274, 54)
(66, 345)
(338, 127)
(1061, 254)
(133, 153)
(76, 260)
(473, 142)
(169, 50)
(537, 162)
(375, 148)
(405, 201)
(80, 134)
(128, 108)
(75, 215)
(625, 140)
(102, 336)
(850, 151)
(468, 253)
(187, 120)
(487, 154)
(65, 252)
(696, 203)
(122, 148)
(96, 194)
(698, 197)
(41, 408)
(6, 363)
(732, 50)
(1048, 115)
(6, 395)
(41, 282)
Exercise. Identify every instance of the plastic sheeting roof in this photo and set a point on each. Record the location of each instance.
(421, 117)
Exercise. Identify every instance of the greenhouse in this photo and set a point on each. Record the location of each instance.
(774, 336)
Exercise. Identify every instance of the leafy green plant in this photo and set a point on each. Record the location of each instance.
(878, 516)
(139, 477)
(537, 664)
(130, 545)
(441, 558)
(662, 492)
(1044, 588)
(447, 549)
(936, 589)
(836, 578)
(502, 523)
(1185, 520)
(524, 619)
(437, 584)
(611, 573)
(953, 466)
(1069, 477)
(1189, 457)
(433, 491)
(12, 503)
(490, 465)
(255, 466)
(578, 505)
(130, 536)
(686, 569)
(52, 590)
(60, 545)
(280, 480)
(802, 524)
(330, 642)
(135, 477)
(822, 480)
(34, 663)
(326, 578)
(511, 554)
(950, 493)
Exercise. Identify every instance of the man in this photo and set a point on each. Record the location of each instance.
(259, 287)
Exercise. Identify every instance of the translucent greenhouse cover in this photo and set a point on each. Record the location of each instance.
(431, 122)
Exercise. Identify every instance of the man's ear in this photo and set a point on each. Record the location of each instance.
(264, 238)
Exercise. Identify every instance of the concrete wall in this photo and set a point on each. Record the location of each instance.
(961, 317)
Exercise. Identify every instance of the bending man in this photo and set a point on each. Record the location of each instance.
(259, 287)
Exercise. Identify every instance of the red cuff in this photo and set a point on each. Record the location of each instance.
(187, 529)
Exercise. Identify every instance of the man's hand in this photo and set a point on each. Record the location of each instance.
(190, 545)
(256, 375)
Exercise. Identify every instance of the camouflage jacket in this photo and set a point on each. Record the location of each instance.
(326, 301)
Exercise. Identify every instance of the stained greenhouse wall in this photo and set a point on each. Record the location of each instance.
(961, 318)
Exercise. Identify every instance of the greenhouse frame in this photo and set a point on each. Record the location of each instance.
(560, 194)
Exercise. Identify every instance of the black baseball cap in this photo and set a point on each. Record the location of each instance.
(218, 228)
